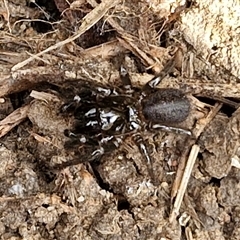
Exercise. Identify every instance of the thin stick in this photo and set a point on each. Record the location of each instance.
(88, 21)
(197, 132)
(183, 185)
(8, 16)
(182, 163)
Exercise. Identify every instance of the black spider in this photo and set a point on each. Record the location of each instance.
(104, 116)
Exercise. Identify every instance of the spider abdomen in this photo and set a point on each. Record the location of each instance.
(167, 106)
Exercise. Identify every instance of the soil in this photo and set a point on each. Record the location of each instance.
(50, 51)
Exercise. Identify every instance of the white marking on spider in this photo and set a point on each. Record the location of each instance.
(92, 123)
(108, 118)
(77, 98)
(91, 112)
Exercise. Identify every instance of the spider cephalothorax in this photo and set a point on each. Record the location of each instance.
(104, 116)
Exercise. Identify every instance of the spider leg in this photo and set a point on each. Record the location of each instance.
(86, 150)
(171, 129)
(126, 81)
(125, 76)
(106, 145)
(72, 105)
(96, 154)
(157, 79)
(143, 150)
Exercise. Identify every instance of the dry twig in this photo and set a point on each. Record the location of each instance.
(183, 170)
(88, 21)
(184, 181)
(13, 119)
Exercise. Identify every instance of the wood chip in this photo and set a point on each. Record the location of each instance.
(47, 97)
(12, 120)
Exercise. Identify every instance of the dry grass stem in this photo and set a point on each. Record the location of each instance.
(184, 181)
(87, 22)
(200, 126)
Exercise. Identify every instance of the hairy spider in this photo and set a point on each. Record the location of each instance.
(104, 116)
